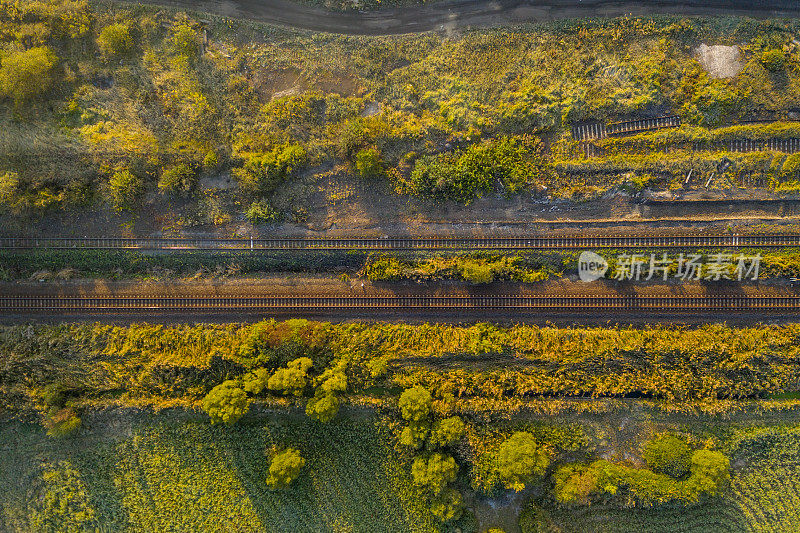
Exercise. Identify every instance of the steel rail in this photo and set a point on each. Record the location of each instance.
(27, 304)
(402, 243)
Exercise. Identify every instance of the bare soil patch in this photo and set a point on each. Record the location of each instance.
(720, 61)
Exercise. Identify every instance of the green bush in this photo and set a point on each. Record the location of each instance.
(211, 160)
(773, 60)
(55, 395)
(710, 474)
(26, 75)
(519, 460)
(432, 472)
(715, 100)
(368, 163)
(9, 189)
(63, 504)
(462, 176)
(178, 178)
(415, 403)
(534, 519)
(184, 40)
(477, 272)
(263, 173)
(226, 403)
(125, 189)
(260, 212)
(577, 484)
(285, 468)
(790, 186)
(791, 167)
(669, 455)
(62, 422)
(115, 40)
(385, 269)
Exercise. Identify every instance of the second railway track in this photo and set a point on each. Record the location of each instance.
(648, 304)
(401, 243)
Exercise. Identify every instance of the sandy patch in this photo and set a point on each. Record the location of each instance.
(720, 61)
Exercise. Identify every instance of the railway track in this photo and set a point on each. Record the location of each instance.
(402, 243)
(638, 126)
(649, 304)
(600, 130)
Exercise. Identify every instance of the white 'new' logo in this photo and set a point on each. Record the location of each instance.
(591, 266)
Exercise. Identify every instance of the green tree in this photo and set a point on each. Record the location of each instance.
(115, 40)
(669, 455)
(26, 75)
(447, 432)
(414, 434)
(285, 468)
(432, 472)
(126, 189)
(226, 403)
(368, 163)
(293, 378)
(519, 459)
(322, 407)
(415, 403)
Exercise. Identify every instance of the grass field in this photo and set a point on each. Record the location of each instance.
(173, 471)
(170, 472)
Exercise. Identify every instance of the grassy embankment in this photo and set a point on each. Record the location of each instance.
(113, 108)
(472, 267)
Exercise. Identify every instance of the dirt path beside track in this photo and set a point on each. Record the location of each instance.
(455, 14)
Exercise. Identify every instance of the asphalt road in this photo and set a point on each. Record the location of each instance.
(453, 14)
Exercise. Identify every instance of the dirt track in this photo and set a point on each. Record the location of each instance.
(453, 14)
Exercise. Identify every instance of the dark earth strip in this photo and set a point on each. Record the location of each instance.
(450, 15)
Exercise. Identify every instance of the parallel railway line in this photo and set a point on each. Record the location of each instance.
(403, 243)
(649, 304)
